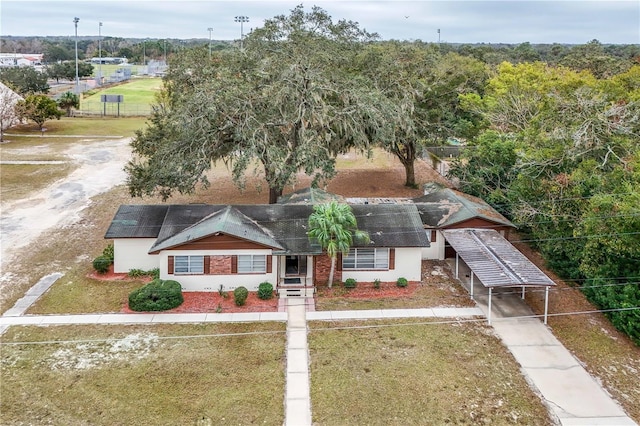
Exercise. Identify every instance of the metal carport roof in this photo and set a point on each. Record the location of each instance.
(496, 262)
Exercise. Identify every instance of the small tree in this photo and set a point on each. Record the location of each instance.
(38, 108)
(334, 227)
(69, 100)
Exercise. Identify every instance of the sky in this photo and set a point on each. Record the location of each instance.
(469, 21)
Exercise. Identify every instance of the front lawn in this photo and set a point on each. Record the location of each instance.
(151, 375)
(412, 373)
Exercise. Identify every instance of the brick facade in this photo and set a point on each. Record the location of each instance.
(220, 265)
(322, 268)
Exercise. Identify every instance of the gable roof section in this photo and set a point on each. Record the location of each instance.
(228, 221)
(137, 221)
(446, 207)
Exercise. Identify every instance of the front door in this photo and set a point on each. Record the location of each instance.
(296, 265)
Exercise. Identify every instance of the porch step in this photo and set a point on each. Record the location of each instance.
(285, 292)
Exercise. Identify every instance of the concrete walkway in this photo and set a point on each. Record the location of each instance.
(569, 391)
(297, 399)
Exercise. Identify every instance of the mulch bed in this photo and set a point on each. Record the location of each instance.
(367, 291)
(212, 302)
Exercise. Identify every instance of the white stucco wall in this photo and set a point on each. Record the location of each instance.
(436, 251)
(213, 282)
(132, 253)
(408, 264)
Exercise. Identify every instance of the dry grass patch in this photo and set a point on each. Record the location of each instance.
(138, 376)
(77, 293)
(417, 374)
(438, 289)
(18, 180)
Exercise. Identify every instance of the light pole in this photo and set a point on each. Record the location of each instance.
(242, 19)
(144, 52)
(100, 53)
(165, 51)
(210, 29)
(438, 35)
(75, 22)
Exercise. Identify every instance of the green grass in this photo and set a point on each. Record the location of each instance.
(138, 94)
(142, 377)
(405, 375)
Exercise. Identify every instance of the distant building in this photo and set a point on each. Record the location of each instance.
(20, 59)
(107, 60)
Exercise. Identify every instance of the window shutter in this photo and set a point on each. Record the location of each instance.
(207, 265)
(433, 235)
(392, 258)
(269, 262)
(338, 262)
(170, 266)
(234, 264)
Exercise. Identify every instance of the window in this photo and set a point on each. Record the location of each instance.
(252, 263)
(431, 235)
(366, 258)
(189, 265)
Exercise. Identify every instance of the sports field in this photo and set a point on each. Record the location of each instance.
(138, 95)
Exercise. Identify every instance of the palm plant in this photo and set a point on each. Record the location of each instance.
(67, 101)
(334, 227)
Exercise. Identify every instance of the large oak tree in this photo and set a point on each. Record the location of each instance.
(288, 102)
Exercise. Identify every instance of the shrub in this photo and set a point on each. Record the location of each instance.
(265, 290)
(137, 273)
(376, 283)
(350, 283)
(101, 264)
(158, 295)
(108, 252)
(402, 282)
(240, 295)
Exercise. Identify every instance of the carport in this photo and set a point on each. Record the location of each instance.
(496, 262)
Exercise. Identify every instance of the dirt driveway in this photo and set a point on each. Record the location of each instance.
(99, 168)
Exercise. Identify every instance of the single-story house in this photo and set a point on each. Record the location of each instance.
(444, 208)
(205, 247)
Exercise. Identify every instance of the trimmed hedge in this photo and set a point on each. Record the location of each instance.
(101, 264)
(240, 295)
(265, 290)
(402, 282)
(350, 283)
(158, 295)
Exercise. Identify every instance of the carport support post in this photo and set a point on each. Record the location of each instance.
(471, 285)
(456, 265)
(489, 317)
(546, 303)
(522, 297)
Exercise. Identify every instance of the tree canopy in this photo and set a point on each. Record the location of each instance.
(39, 109)
(287, 101)
(24, 80)
(561, 160)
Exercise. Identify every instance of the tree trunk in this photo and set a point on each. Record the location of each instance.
(332, 271)
(411, 175)
(274, 193)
